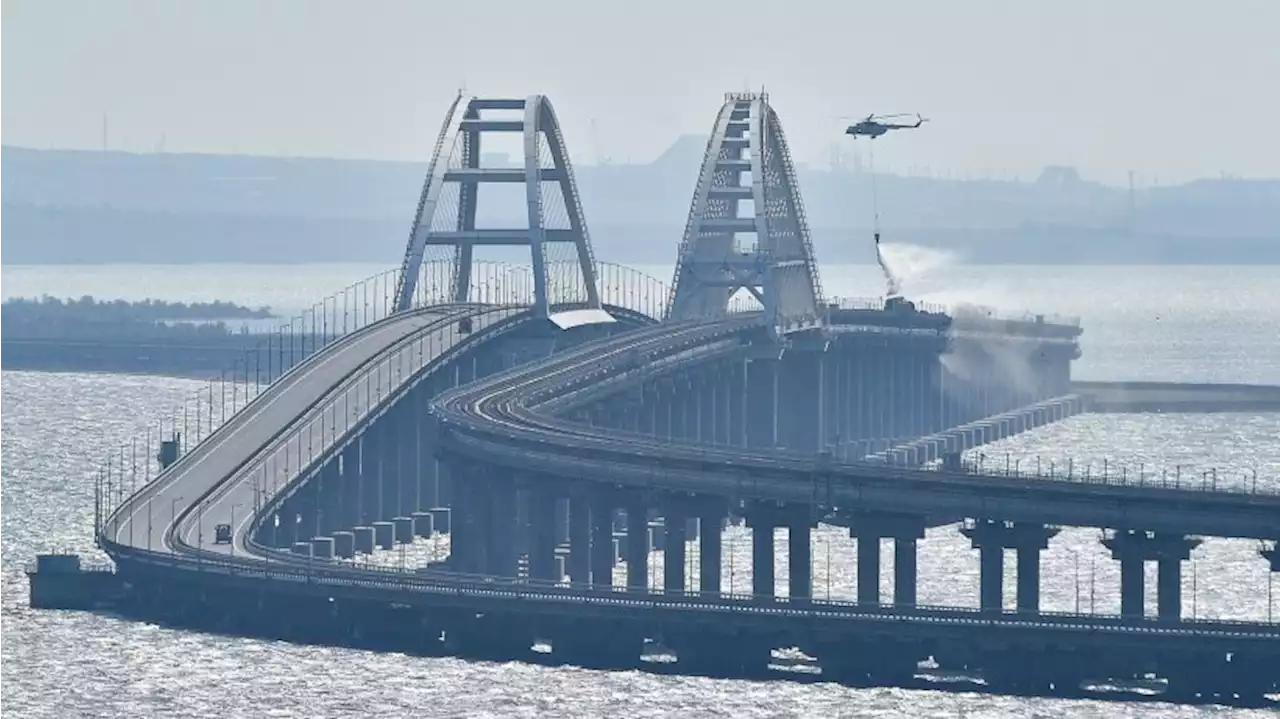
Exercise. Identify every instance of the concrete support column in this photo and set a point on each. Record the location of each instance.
(868, 568)
(991, 577)
(1029, 579)
(579, 538)
(370, 489)
(1133, 548)
(1132, 587)
(681, 408)
(762, 403)
(719, 380)
(542, 532)
(800, 400)
(706, 399)
(601, 540)
(408, 437)
(762, 556)
(501, 559)
(1169, 588)
(832, 399)
(466, 550)
(647, 413)
(736, 403)
(305, 501)
(329, 498)
(637, 545)
(349, 511)
(904, 530)
(800, 559)
(673, 553)
(389, 462)
(991, 538)
(664, 400)
(904, 571)
(710, 549)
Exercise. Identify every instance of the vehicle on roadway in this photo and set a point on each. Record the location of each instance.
(222, 534)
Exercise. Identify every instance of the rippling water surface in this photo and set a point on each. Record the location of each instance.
(1195, 324)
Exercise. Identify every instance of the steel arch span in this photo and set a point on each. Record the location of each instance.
(765, 250)
(447, 207)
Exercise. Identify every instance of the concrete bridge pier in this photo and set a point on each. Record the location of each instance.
(541, 529)
(501, 549)
(467, 525)
(369, 506)
(602, 556)
(305, 505)
(1133, 548)
(393, 441)
(763, 518)
(647, 410)
(679, 408)
(349, 474)
(720, 391)
(800, 388)
(762, 403)
(675, 528)
(329, 499)
(409, 454)
(579, 563)
(991, 538)
(711, 513)
(664, 403)
(709, 411)
(637, 550)
(800, 555)
(905, 530)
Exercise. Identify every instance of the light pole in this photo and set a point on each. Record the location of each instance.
(1091, 585)
(1076, 556)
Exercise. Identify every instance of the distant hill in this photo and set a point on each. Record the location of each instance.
(91, 207)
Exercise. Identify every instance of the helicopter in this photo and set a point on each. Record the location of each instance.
(874, 126)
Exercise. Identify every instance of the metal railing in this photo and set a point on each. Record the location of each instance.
(136, 464)
(328, 572)
(1116, 475)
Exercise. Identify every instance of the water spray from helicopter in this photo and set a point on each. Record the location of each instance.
(871, 127)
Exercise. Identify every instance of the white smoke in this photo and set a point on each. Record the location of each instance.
(904, 264)
(978, 358)
(893, 286)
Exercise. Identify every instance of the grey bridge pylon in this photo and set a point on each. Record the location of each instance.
(447, 209)
(747, 165)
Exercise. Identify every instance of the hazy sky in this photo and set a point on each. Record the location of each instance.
(1172, 89)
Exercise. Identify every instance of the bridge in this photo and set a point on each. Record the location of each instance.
(560, 419)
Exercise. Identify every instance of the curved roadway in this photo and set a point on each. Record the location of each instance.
(509, 418)
(514, 419)
(225, 478)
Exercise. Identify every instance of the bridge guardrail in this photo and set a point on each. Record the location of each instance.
(135, 465)
(333, 572)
